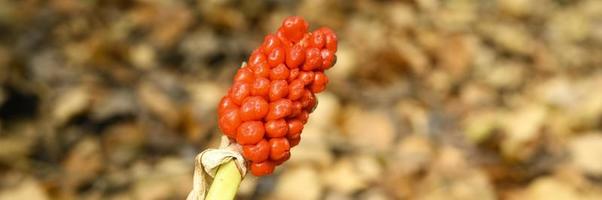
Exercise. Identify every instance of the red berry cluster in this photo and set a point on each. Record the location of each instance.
(271, 98)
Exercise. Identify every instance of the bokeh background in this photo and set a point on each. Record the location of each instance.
(456, 99)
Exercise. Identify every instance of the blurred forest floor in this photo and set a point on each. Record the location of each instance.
(458, 99)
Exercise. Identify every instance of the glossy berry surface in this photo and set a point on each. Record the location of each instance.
(253, 108)
(279, 109)
(257, 152)
(278, 90)
(276, 128)
(250, 132)
(229, 121)
(262, 168)
(273, 95)
(279, 148)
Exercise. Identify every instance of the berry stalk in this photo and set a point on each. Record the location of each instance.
(226, 182)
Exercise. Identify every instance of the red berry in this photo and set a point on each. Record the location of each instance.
(257, 57)
(279, 72)
(294, 28)
(250, 132)
(317, 88)
(305, 41)
(284, 41)
(317, 39)
(331, 39)
(319, 84)
(261, 69)
(229, 122)
(257, 152)
(328, 59)
(306, 77)
(278, 90)
(253, 108)
(320, 77)
(279, 148)
(295, 56)
(313, 59)
(294, 141)
(308, 100)
(261, 87)
(244, 75)
(295, 127)
(262, 168)
(279, 109)
(282, 160)
(240, 91)
(295, 89)
(276, 57)
(293, 74)
(276, 128)
(224, 104)
(303, 117)
(270, 42)
(296, 109)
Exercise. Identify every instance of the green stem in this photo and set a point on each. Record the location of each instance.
(226, 182)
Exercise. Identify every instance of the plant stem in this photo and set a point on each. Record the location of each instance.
(226, 182)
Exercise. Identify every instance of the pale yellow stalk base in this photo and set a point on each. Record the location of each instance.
(226, 182)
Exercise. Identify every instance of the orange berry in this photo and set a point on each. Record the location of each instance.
(225, 103)
(293, 74)
(282, 160)
(280, 148)
(229, 122)
(276, 57)
(294, 141)
(321, 78)
(276, 128)
(305, 41)
(250, 132)
(306, 77)
(294, 28)
(253, 108)
(296, 109)
(278, 90)
(295, 89)
(313, 59)
(244, 75)
(279, 109)
(320, 81)
(308, 100)
(240, 91)
(328, 59)
(295, 56)
(331, 39)
(261, 69)
(317, 40)
(261, 87)
(270, 42)
(303, 117)
(279, 72)
(317, 88)
(295, 127)
(257, 152)
(262, 168)
(284, 41)
(257, 57)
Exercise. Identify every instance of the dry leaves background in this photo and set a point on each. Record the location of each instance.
(457, 99)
